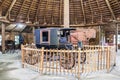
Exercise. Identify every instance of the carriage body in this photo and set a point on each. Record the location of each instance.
(55, 38)
(51, 38)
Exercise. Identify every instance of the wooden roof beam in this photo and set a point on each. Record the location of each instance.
(29, 10)
(46, 9)
(38, 7)
(12, 4)
(99, 10)
(53, 5)
(74, 12)
(83, 11)
(108, 5)
(60, 15)
(118, 3)
(91, 11)
(21, 8)
(1, 7)
(2, 4)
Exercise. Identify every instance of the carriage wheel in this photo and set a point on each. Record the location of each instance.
(67, 61)
(31, 59)
(48, 55)
(83, 57)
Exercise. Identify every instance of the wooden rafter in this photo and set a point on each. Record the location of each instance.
(1, 7)
(75, 13)
(11, 6)
(37, 12)
(21, 8)
(2, 4)
(83, 11)
(91, 10)
(29, 10)
(99, 10)
(53, 11)
(108, 5)
(46, 8)
(94, 24)
(118, 3)
(60, 16)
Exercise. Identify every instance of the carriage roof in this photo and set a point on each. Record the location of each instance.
(60, 29)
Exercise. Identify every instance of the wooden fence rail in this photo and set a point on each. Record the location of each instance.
(69, 62)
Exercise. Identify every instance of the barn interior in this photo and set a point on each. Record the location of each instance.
(98, 22)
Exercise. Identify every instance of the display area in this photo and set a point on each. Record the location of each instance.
(59, 39)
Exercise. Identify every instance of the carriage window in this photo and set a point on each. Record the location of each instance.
(45, 36)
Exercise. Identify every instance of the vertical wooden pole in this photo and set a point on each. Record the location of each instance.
(33, 34)
(66, 13)
(114, 53)
(79, 55)
(108, 59)
(3, 38)
(22, 54)
(99, 35)
(116, 37)
(41, 60)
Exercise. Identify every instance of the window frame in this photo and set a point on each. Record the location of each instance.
(41, 36)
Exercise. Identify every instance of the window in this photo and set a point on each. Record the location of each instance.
(45, 35)
(16, 39)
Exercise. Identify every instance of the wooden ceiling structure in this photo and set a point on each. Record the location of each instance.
(51, 12)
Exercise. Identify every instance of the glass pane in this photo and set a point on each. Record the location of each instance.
(45, 36)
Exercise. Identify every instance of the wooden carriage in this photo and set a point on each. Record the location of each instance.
(57, 38)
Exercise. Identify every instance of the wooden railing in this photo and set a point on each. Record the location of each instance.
(69, 62)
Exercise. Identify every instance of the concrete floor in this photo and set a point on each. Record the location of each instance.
(11, 69)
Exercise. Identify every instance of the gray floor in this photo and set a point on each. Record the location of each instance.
(11, 69)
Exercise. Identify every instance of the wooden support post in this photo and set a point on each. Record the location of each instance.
(66, 13)
(22, 54)
(41, 60)
(33, 34)
(108, 59)
(116, 42)
(79, 56)
(99, 35)
(3, 38)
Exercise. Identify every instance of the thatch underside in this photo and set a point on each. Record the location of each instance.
(50, 12)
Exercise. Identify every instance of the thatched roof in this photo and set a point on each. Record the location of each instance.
(50, 12)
